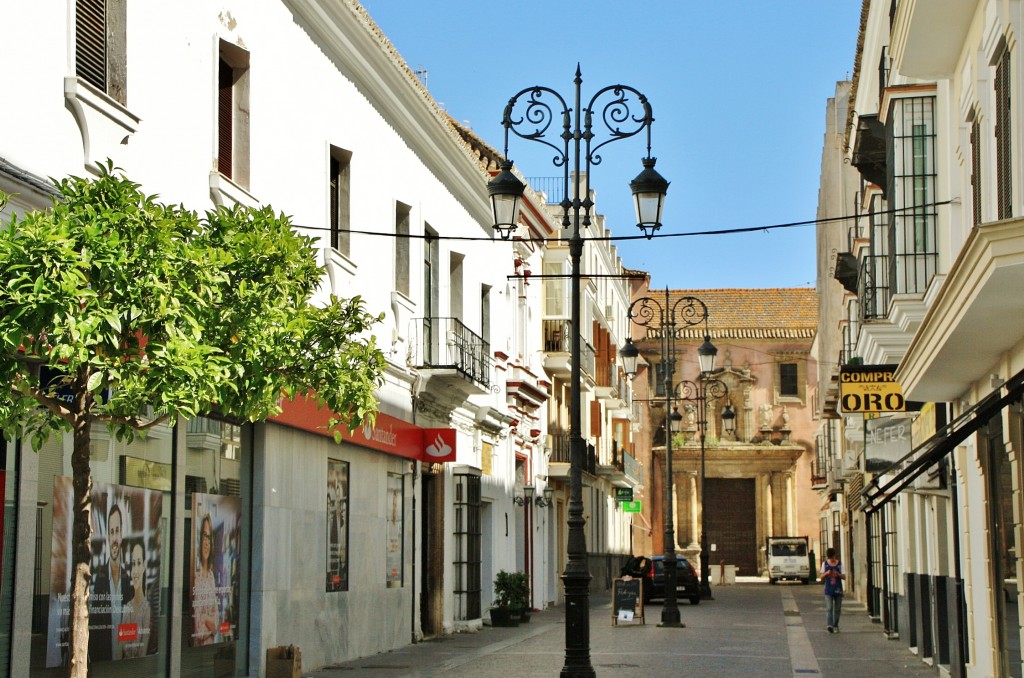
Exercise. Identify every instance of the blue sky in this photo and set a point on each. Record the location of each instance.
(738, 90)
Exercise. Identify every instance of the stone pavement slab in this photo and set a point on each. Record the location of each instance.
(748, 630)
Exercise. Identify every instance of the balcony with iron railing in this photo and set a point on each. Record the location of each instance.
(819, 467)
(447, 350)
(558, 347)
(561, 454)
(873, 286)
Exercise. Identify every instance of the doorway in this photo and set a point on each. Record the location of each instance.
(732, 523)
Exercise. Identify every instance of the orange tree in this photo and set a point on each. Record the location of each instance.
(147, 313)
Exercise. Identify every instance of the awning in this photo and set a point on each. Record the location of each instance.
(921, 458)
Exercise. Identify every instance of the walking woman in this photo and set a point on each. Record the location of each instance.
(832, 575)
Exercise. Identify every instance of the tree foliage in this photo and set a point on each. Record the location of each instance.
(117, 309)
(169, 314)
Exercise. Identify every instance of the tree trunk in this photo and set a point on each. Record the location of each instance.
(81, 533)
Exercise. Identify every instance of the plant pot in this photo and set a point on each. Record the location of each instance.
(503, 616)
(524, 616)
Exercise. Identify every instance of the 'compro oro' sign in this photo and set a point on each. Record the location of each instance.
(870, 388)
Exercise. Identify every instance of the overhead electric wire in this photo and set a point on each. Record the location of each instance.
(720, 231)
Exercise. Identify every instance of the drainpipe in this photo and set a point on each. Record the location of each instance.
(415, 475)
(961, 620)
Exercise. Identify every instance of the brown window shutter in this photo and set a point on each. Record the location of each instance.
(335, 175)
(595, 419)
(90, 42)
(225, 115)
(1004, 177)
(976, 171)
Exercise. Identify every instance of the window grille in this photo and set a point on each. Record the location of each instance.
(912, 247)
(873, 280)
(467, 557)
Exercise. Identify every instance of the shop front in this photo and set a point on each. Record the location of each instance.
(213, 542)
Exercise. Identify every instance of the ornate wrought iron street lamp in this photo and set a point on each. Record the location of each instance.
(665, 317)
(700, 392)
(611, 106)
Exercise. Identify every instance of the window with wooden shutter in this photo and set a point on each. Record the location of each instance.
(1004, 193)
(233, 114)
(101, 46)
(339, 200)
(91, 42)
(976, 171)
(225, 116)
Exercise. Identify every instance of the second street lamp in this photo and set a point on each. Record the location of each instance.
(544, 107)
(700, 392)
(665, 317)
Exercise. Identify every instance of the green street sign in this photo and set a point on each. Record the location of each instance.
(631, 506)
(624, 494)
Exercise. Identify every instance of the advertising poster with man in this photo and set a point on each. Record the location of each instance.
(215, 570)
(124, 595)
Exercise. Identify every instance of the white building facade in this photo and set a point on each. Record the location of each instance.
(930, 271)
(345, 549)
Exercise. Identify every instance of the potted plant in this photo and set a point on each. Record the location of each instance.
(511, 599)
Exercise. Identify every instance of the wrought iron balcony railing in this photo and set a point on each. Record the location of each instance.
(558, 339)
(445, 343)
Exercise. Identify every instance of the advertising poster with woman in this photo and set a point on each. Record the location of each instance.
(395, 508)
(214, 574)
(337, 525)
(124, 595)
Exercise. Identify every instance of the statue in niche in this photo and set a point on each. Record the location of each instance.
(766, 416)
(785, 417)
(691, 415)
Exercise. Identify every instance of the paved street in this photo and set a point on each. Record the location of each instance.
(750, 629)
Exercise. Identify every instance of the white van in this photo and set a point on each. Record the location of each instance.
(788, 558)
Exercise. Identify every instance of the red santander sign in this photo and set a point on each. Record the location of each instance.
(388, 434)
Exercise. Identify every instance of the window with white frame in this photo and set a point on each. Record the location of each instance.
(233, 113)
(913, 252)
(339, 198)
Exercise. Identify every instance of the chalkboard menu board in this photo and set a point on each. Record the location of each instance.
(627, 600)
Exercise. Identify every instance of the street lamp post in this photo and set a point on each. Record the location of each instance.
(649, 312)
(611, 107)
(685, 311)
(700, 392)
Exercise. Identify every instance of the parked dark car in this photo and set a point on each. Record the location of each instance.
(652, 569)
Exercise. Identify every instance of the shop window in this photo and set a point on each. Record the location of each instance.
(129, 598)
(214, 604)
(337, 525)
(8, 521)
(394, 558)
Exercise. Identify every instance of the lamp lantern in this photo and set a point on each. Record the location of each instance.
(729, 419)
(630, 355)
(649, 190)
(706, 356)
(676, 420)
(506, 190)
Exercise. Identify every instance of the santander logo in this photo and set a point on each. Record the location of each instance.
(439, 448)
